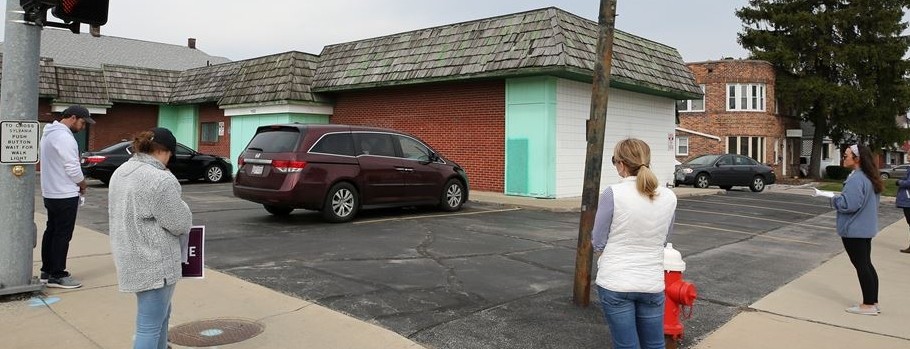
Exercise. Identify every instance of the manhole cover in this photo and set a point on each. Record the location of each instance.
(209, 333)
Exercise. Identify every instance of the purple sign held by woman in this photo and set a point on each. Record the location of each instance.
(193, 246)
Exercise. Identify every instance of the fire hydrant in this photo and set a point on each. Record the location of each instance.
(678, 293)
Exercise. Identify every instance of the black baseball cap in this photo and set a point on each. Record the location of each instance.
(164, 137)
(79, 112)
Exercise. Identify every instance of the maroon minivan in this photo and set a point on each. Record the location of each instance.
(340, 169)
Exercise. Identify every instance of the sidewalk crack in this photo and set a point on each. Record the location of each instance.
(829, 324)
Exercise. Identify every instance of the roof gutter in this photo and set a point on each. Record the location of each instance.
(570, 73)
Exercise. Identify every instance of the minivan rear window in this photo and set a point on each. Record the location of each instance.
(277, 141)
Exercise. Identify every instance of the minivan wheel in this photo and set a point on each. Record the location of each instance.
(278, 210)
(341, 203)
(214, 173)
(758, 184)
(452, 196)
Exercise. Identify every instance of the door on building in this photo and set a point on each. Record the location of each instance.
(528, 152)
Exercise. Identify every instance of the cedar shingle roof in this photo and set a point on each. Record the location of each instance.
(82, 86)
(545, 41)
(542, 42)
(281, 77)
(204, 84)
(47, 78)
(135, 84)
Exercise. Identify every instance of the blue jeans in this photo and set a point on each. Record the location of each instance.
(152, 317)
(636, 319)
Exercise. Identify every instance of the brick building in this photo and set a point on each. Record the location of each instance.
(508, 97)
(738, 114)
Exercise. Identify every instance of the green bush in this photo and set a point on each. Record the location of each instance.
(836, 172)
(890, 187)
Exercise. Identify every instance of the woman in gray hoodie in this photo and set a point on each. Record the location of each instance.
(147, 217)
(857, 221)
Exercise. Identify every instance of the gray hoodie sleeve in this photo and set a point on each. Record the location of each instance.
(169, 210)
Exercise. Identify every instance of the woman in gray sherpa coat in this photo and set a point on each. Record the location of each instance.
(147, 216)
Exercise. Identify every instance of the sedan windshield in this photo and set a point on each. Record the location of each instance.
(703, 160)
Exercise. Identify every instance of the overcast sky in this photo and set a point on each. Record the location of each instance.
(240, 29)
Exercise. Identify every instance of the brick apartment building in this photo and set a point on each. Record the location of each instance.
(738, 114)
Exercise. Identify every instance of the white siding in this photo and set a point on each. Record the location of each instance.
(629, 114)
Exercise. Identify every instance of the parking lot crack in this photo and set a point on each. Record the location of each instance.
(534, 264)
(453, 284)
(481, 309)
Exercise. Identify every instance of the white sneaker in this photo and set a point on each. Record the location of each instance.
(856, 309)
(64, 282)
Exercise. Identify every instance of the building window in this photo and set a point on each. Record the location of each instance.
(746, 97)
(682, 146)
(753, 147)
(692, 105)
(209, 132)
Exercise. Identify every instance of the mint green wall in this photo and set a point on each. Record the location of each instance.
(531, 137)
(243, 127)
(183, 121)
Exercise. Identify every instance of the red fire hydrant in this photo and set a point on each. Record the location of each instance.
(678, 293)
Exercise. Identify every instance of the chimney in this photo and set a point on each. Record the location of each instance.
(191, 43)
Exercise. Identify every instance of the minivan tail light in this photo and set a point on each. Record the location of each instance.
(240, 162)
(94, 159)
(288, 166)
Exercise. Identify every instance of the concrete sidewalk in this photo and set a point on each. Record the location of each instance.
(809, 311)
(97, 315)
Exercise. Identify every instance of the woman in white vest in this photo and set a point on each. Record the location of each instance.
(634, 218)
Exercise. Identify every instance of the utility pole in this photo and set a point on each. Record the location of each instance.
(594, 159)
(18, 102)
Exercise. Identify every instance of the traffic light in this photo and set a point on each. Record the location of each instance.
(91, 12)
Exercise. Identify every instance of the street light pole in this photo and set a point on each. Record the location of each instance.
(593, 160)
(18, 102)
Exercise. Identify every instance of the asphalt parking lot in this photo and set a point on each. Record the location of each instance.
(494, 276)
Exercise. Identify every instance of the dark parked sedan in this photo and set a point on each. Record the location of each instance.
(725, 171)
(187, 164)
